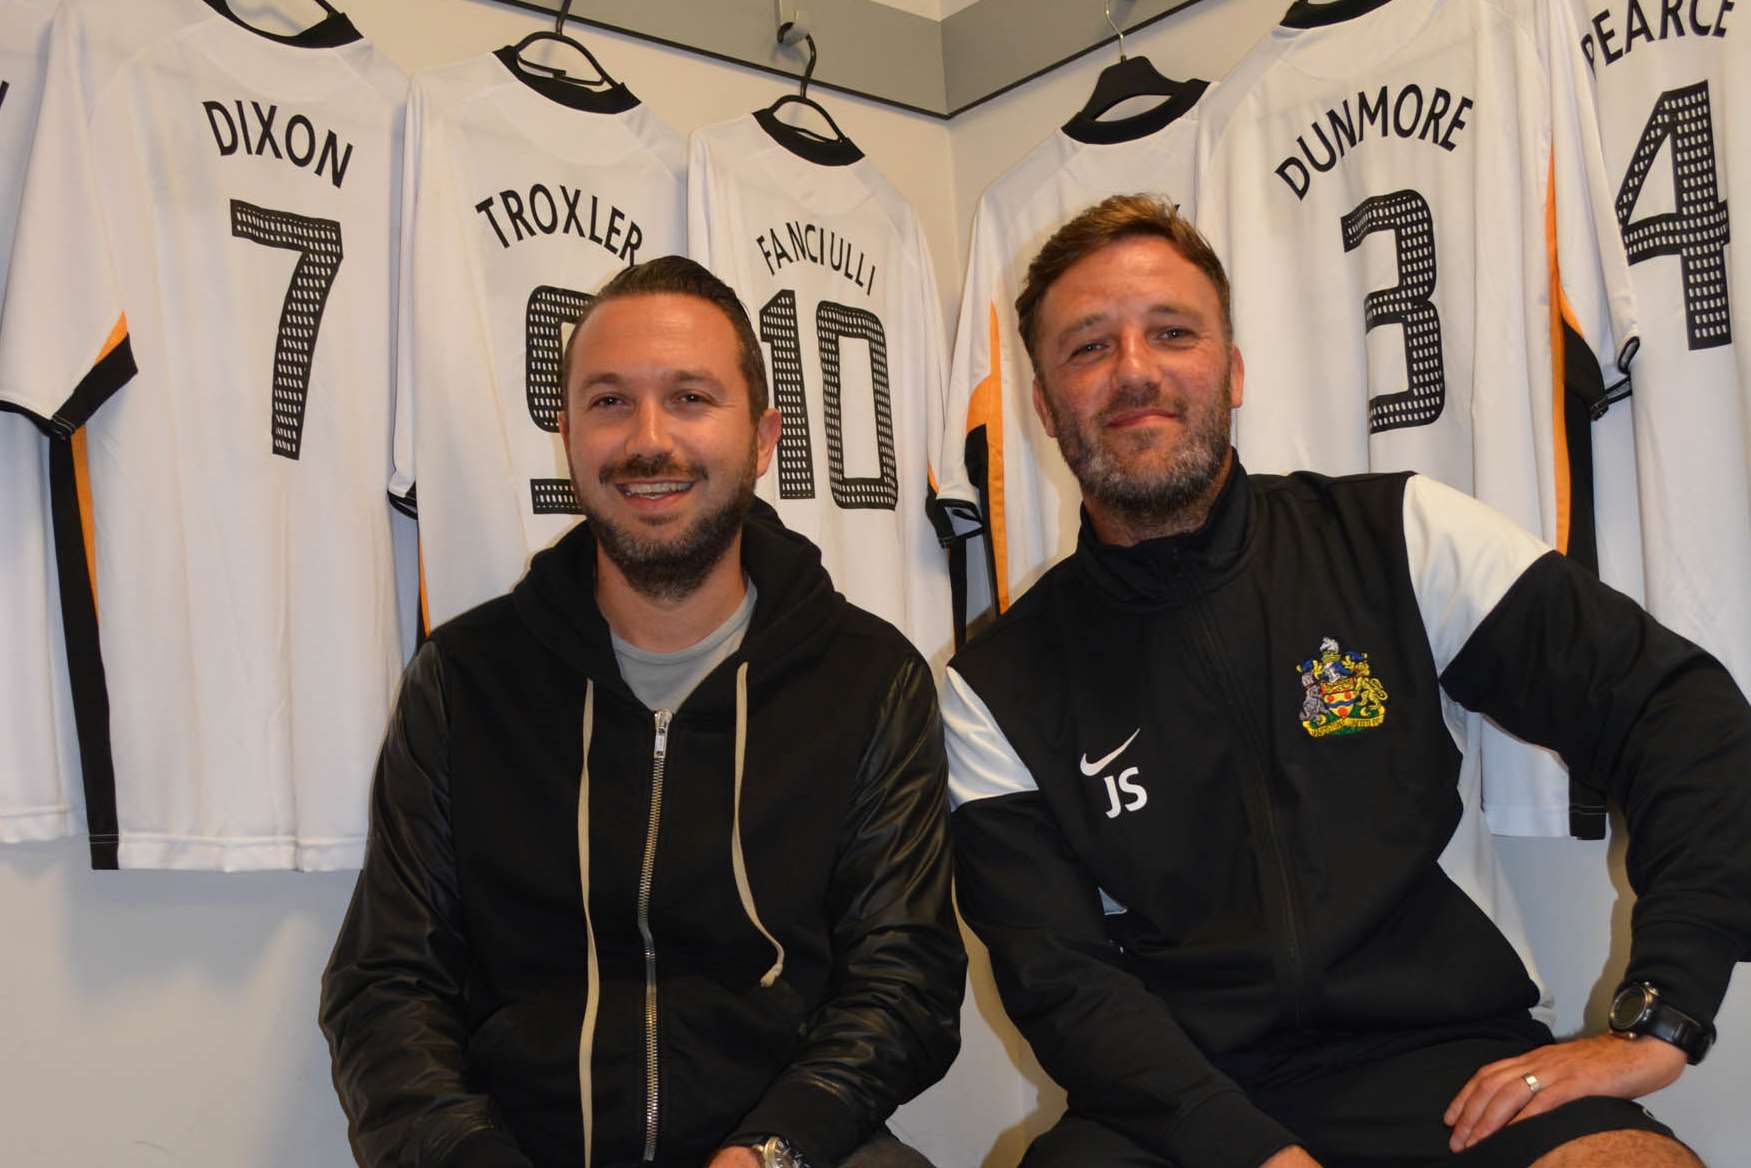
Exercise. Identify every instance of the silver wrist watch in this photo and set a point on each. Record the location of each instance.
(776, 1152)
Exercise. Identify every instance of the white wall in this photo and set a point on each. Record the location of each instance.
(156, 1018)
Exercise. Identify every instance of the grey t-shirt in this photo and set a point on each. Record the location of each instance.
(662, 681)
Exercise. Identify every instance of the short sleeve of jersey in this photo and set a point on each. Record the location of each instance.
(416, 185)
(39, 766)
(64, 306)
(701, 192)
(1595, 296)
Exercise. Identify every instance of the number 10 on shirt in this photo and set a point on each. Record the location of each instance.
(834, 323)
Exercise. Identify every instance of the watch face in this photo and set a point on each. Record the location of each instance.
(1630, 1007)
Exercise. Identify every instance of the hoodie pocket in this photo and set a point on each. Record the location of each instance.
(722, 1048)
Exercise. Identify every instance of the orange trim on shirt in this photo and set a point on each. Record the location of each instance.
(425, 608)
(116, 336)
(1560, 313)
(985, 408)
(82, 489)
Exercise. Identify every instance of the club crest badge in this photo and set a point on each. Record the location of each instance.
(1339, 692)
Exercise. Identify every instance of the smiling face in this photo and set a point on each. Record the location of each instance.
(1135, 378)
(663, 443)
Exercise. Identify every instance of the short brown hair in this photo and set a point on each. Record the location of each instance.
(681, 276)
(1104, 224)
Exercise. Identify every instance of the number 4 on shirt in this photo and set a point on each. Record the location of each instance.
(1697, 231)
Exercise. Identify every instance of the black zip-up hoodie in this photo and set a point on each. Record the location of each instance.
(768, 946)
(1205, 789)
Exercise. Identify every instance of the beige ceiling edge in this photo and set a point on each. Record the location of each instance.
(876, 51)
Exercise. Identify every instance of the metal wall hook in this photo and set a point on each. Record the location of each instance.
(1117, 31)
(784, 31)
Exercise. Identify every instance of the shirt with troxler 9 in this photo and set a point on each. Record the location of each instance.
(524, 195)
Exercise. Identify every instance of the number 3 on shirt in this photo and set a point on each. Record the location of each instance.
(1407, 304)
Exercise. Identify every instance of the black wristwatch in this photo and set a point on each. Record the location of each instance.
(1637, 1009)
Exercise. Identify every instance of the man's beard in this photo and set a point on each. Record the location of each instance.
(672, 568)
(1163, 492)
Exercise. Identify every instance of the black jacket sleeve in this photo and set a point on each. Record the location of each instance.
(391, 996)
(891, 1025)
(1097, 1029)
(1656, 724)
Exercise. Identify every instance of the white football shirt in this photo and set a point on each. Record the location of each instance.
(995, 453)
(1668, 82)
(1389, 186)
(1406, 196)
(216, 206)
(39, 762)
(524, 196)
(836, 276)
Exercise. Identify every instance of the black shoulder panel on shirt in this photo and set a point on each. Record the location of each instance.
(113, 370)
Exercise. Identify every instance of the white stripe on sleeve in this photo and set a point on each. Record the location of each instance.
(1464, 556)
(981, 763)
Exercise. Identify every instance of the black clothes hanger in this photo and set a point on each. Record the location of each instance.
(332, 30)
(1307, 14)
(602, 77)
(322, 4)
(801, 97)
(1125, 79)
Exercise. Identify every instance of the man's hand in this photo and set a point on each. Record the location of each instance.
(1295, 1157)
(1500, 1093)
(735, 1158)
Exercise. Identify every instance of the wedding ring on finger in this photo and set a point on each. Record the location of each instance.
(1532, 1082)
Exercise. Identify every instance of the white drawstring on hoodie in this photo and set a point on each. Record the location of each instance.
(587, 1037)
(738, 864)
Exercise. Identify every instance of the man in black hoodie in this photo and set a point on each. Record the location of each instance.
(658, 871)
(1212, 815)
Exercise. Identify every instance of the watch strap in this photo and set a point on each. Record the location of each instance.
(1670, 1024)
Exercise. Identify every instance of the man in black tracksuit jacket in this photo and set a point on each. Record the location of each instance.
(1210, 813)
(592, 932)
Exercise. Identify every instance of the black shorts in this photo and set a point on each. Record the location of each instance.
(1378, 1103)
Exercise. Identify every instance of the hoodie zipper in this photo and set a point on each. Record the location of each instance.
(659, 759)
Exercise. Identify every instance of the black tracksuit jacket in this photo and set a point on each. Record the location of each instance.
(466, 1000)
(1195, 839)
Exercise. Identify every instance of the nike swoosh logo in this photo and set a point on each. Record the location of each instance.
(1094, 768)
